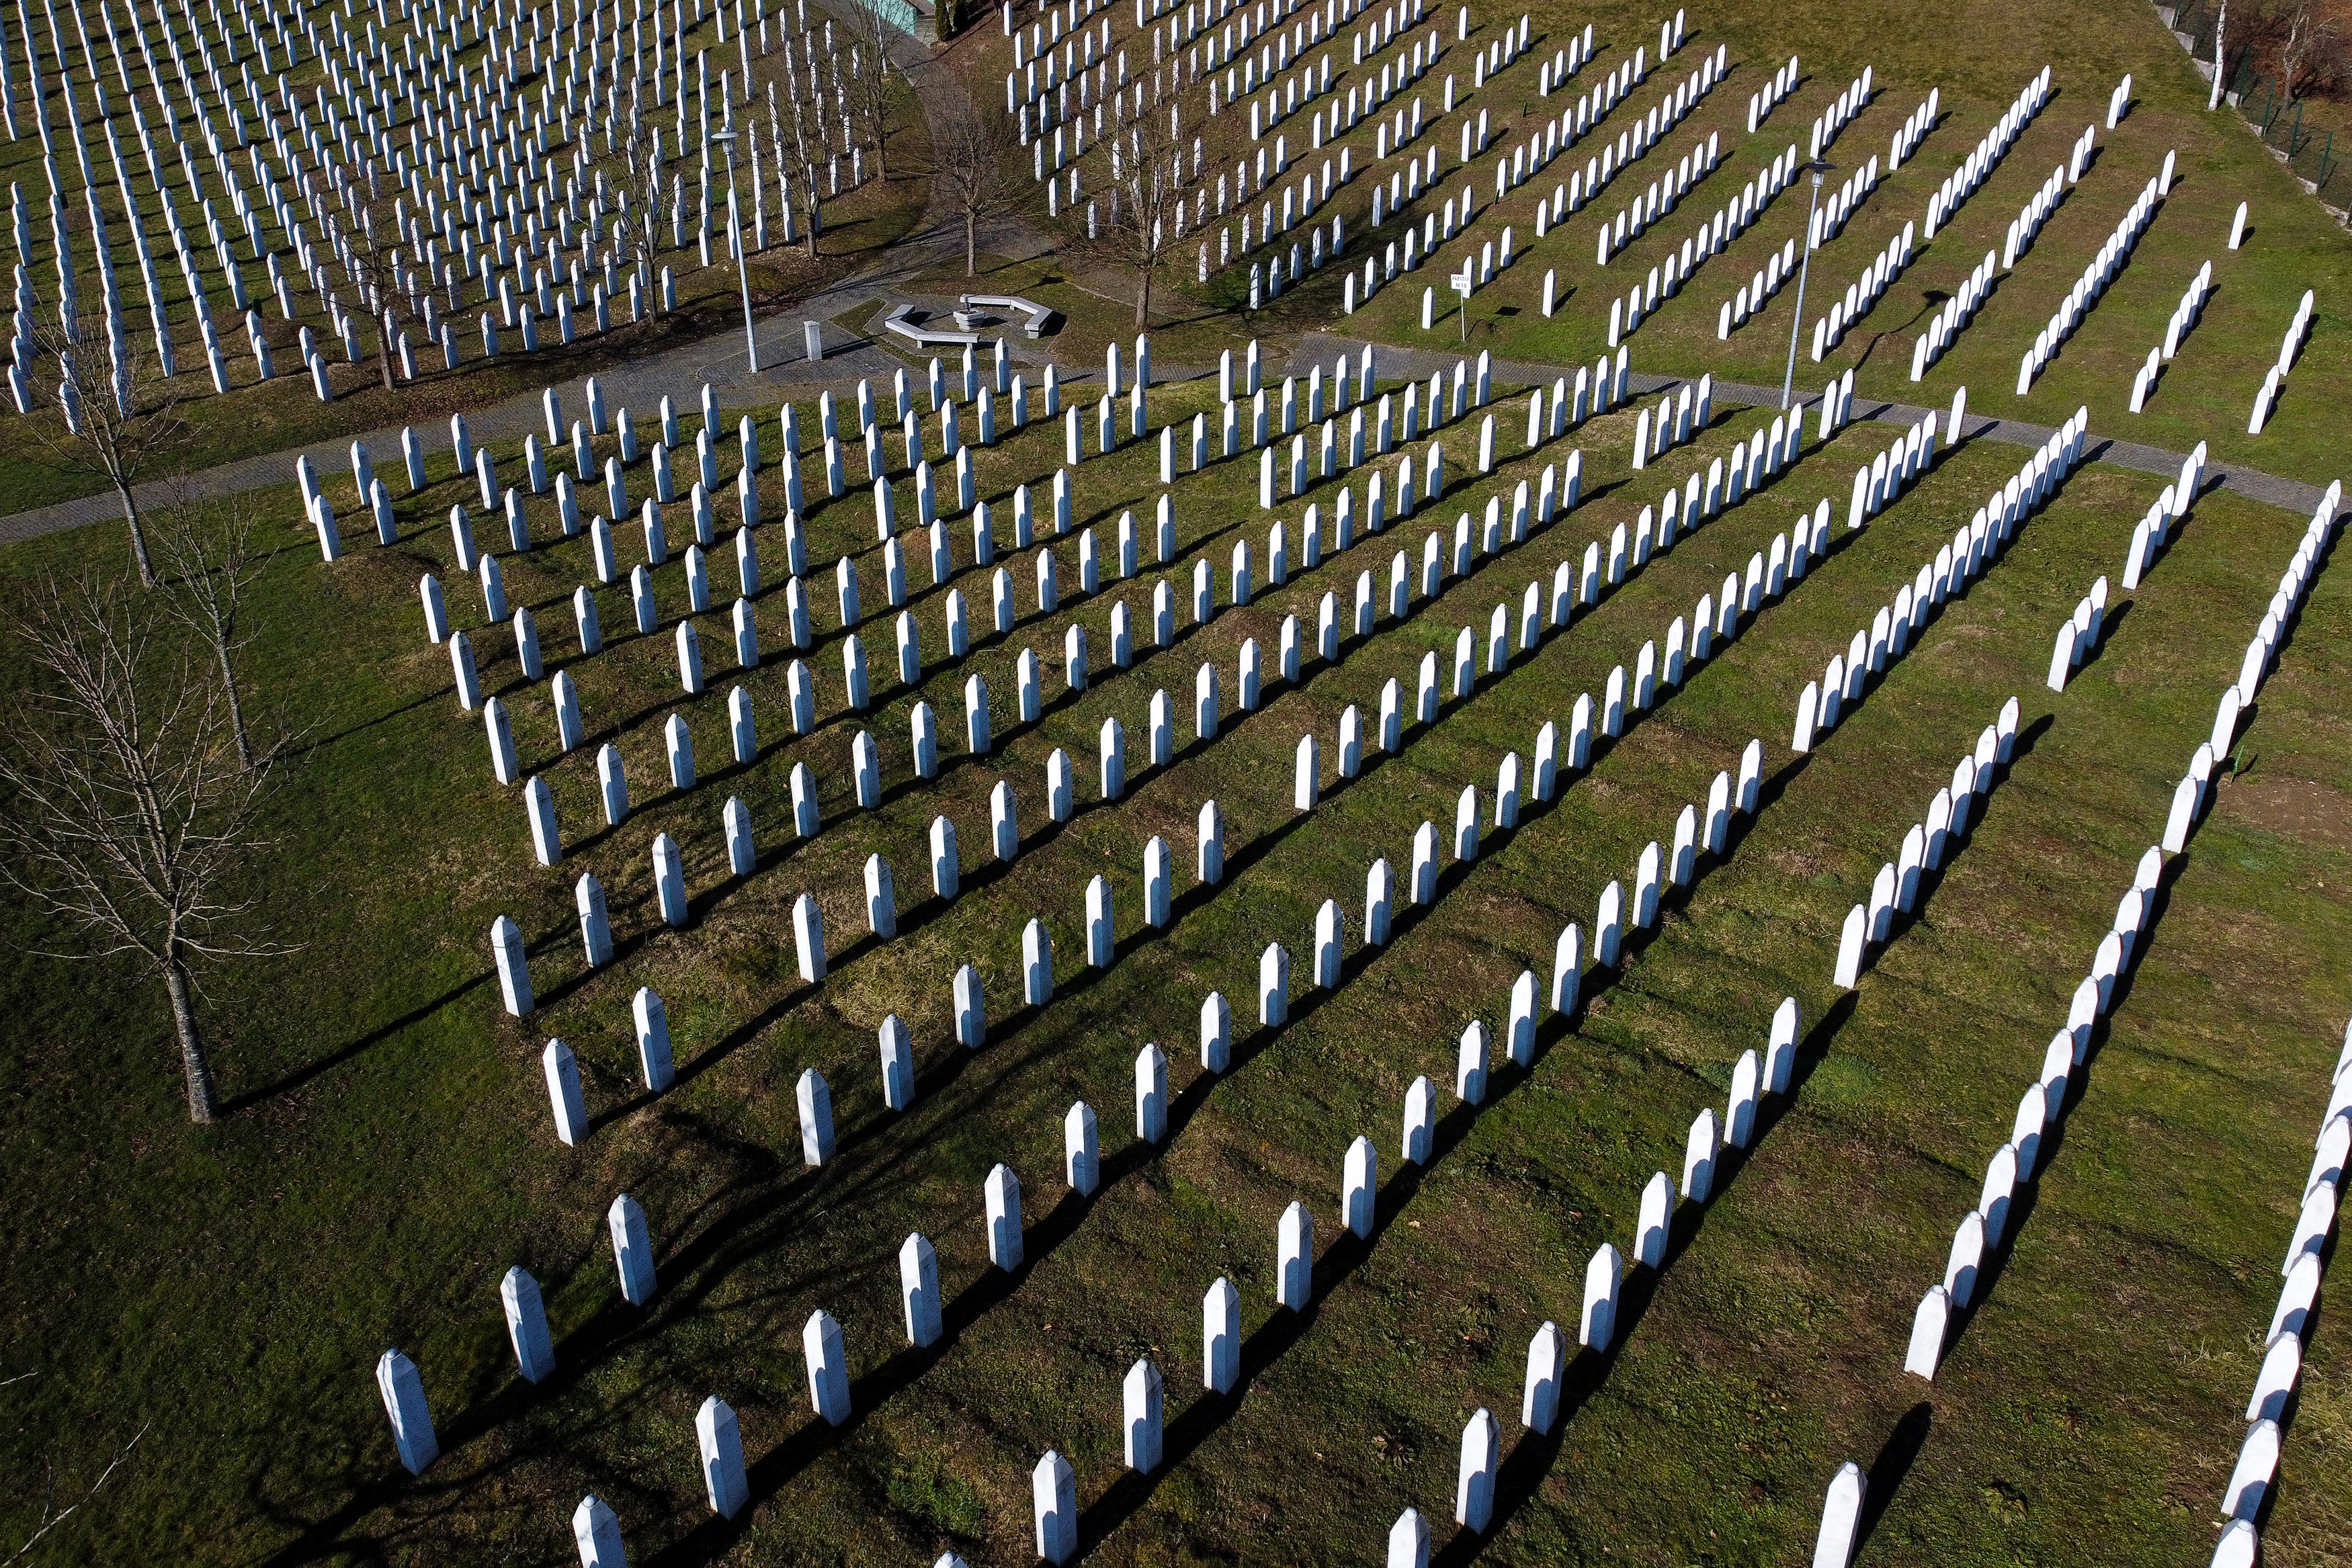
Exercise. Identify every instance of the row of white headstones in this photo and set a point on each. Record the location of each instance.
(2251, 1478)
(2290, 1326)
(2045, 1103)
(1957, 564)
(1629, 313)
(1361, 1165)
(815, 1099)
(1569, 588)
(1520, 164)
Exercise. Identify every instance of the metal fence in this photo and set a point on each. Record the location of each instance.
(2279, 119)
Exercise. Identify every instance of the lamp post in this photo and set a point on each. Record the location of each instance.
(743, 262)
(1818, 168)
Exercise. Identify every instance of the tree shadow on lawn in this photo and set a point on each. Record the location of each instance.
(288, 1082)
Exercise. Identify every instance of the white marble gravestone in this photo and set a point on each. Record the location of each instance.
(1221, 1337)
(1926, 1351)
(918, 1290)
(1140, 1400)
(403, 1388)
(1473, 1488)
(1539, 1399)
(1597, 1327)
(828, 1367)
(1053, 1496)
(1409, 1541)
(1841, 1518)
(1294, 1257)
(596, 1532)
(1004, 1238)
(721, 1444)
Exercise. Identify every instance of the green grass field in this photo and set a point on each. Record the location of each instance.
(389, 1152)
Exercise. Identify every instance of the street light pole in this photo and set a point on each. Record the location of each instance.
(1817, 168)
(735, 240)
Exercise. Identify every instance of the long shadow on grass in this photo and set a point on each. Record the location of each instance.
(310, 746)
(2107, 624)
(329, 1535)
(290, 1082)
(1890, 1467)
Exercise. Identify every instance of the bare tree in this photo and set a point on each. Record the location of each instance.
(868, 93)
(1141, 224)
(970, 149)
(375, 259)
(643, 189)
(115, 424)
(211, 556)
(2309, 36)
(798, 158)
(129, 810)
(51, 1514)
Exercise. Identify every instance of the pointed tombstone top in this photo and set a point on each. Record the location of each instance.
(2274, 1383)
(1926, 1351)
(2032, 1113)
(1841, 1517)
(2296, 1297)
(2238, 1546)
(2001, 1178)
(1409, 1541)
(2250, 1479)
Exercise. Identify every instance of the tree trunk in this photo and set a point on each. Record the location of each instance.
(235, 706)
(1143, 297)
(138, 534)
(203, 1105)
(971, 243)
(384, 357)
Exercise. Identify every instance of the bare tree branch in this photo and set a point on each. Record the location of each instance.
(116, 422)
(867, 93)
(374, 253)
(800, 156)
(211, 556)
(51, 1520)
(1147, 172)
(970, 149)
(644, 188)
(129, 810)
